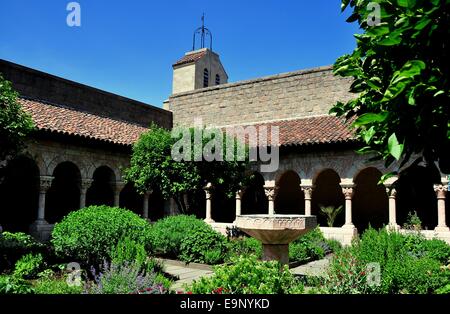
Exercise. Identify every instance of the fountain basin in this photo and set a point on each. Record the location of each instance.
(276, 232)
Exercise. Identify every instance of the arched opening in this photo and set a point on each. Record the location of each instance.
(19, 195)
(156, 205)
(415, 192)
(327, 193)
(205, 78)
(101, 191)
(131, 199)
(370, 201)
(64, 194)
(254, 199)
(196, 201)
(223, 207)
(290, 198)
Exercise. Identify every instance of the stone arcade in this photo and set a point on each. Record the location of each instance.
(85, 136)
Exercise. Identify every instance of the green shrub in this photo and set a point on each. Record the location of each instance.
(130, 251)
(248, 275)
(87, 235)
(202, 244)
(123, 279)
(244, 246)
(29, 266)
(167, 234)
(14, 285)
(55, 286)
(15, 245)
(310, 246)
(435, 249)
(444, 290)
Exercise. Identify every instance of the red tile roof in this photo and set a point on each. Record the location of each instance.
(68, 121)
(311, 131)
(192, 57)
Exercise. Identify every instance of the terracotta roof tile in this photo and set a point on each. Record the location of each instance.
(192, 57)
(311, 131)
(68, 121)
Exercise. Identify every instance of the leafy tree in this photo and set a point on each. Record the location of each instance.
(152, 166)
(401, 77)
(15, 124)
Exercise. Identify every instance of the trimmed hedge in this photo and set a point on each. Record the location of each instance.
(88, 235)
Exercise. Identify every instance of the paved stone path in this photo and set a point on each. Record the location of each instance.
(185, 273)
(315, 268)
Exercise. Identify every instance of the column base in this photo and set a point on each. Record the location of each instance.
(393, 227)
(442, 229)
(349, 226)
(209, 221)
(41, 230)
(276, 252)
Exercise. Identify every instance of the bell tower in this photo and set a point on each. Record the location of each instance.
(200, 67)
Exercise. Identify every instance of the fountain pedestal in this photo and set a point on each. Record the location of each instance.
(276, 232)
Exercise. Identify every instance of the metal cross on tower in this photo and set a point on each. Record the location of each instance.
(203, 32)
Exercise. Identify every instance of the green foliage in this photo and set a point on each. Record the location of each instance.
(407, 264)
(87, 235)
(444, 290)
(413, 222)
(331, 213)
(15, 245)
(130, 251)
(15, 124)
(167, 234)
(244, 246)
(400, 77)
(248, 275)
(310, 246)
(152, 166)
(122, 279)
(55, 286)
(29, 266)
(202, 244)
(14, 285)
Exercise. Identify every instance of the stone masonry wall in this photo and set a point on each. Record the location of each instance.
(42, 86)
(283, 96)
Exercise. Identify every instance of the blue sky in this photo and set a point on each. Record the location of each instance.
(128, 47)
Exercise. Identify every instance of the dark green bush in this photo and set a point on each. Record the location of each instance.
(14, 285)
(15, 245)
(87, 236)
(311, 246)
(244, 246)
(202, 244)
(248, 275)
(28, 266)
(167, 234)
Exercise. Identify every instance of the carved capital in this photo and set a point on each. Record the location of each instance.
(271, 192)
(391, 192)
(208, 191)
(85, 184)
(239, 194)
(119, 185)
(148, 193)
(45, 183)
(308, 191)
(441, 190)
(348, 192)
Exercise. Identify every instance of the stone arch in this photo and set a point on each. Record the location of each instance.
(94, 166)
(415, 192)
(254, 199)
(289, 198)
(19, 194)
(102, 189)
(131, 199)
(327, 192)
(64, 193)
(370, 201)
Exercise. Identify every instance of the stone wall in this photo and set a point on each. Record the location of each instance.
(283, 96)
(43, 86)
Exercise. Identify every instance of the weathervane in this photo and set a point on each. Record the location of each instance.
(203, 32)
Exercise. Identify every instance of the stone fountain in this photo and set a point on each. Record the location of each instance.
(276, 232)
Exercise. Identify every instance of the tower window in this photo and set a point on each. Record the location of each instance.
(205, 78)
(217, 79)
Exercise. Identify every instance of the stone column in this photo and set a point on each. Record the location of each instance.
(208, 192)
(392, 194)
(238, 202)
(271, 192)
(85, 184)
(307, 189)
(145, 204)
(119, 185)
(441, 191)
(45, 184)
(347, 190)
